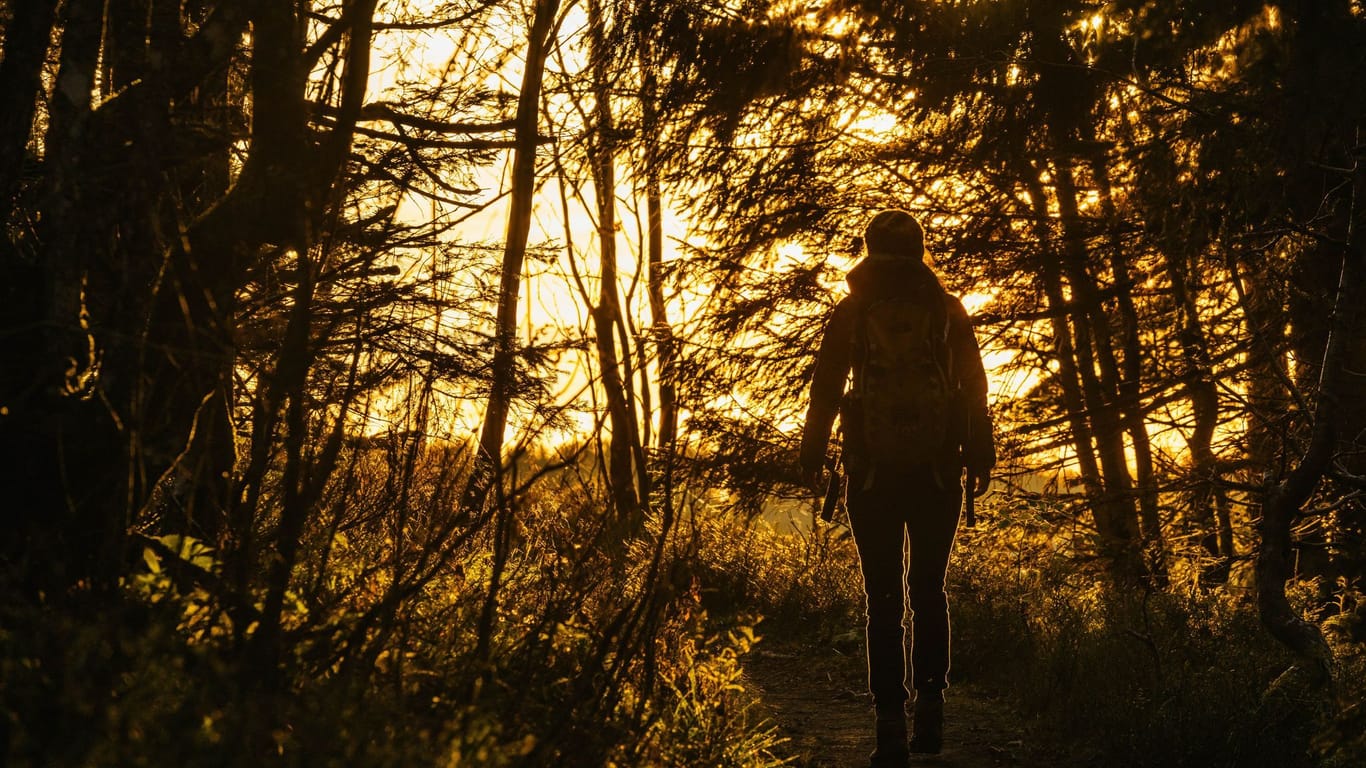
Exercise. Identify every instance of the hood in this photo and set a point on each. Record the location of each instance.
(878, 277)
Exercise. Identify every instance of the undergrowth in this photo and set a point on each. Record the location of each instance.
(1184, 676)
(629, 654)
(596, 651)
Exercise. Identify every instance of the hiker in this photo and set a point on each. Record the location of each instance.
(914, 418)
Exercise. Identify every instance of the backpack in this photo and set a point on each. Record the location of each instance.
(902, 390)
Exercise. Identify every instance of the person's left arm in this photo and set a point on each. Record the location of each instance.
(979, 446)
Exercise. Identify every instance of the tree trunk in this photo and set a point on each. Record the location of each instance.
(607, 314)
(77, 459)
(1117, 506)
(1130, 377)
(26, 45)
(487, 465)
(661, 331)
(198, 389)
(1114, 540)
(1206, 496)
(305, 472)
(1283, 504)
(109, 289)
(486, 471)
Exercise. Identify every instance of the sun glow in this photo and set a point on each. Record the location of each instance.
(560, 284)
(873, 125)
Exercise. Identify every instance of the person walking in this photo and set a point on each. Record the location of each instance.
(914, 418)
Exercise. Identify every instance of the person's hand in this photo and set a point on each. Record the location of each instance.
(979, 480)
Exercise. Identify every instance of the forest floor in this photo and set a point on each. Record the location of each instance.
(816, 697)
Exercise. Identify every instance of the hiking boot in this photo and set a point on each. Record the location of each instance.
(891, 751)
(929, 723)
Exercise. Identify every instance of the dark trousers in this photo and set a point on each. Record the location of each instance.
(912, 507)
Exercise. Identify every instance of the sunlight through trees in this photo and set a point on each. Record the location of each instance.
(410, 382)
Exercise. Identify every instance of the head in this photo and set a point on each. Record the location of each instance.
(895, 234)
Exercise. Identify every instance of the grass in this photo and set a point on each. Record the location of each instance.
(596, 655)
(628, 653)
(1185, 676)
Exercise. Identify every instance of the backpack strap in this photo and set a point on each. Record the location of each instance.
(858, 342)
(946, 300)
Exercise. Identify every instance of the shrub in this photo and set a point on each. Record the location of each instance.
(591, 653)
(1179, 677)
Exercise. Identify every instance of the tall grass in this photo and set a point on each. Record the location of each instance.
(1184, 676)
(609, 652)
(599, 652)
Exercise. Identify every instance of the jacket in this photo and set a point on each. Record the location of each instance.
(973, 446)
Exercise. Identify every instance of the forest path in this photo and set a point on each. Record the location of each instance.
(816, 697)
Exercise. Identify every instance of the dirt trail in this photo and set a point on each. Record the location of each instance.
(817, 698)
